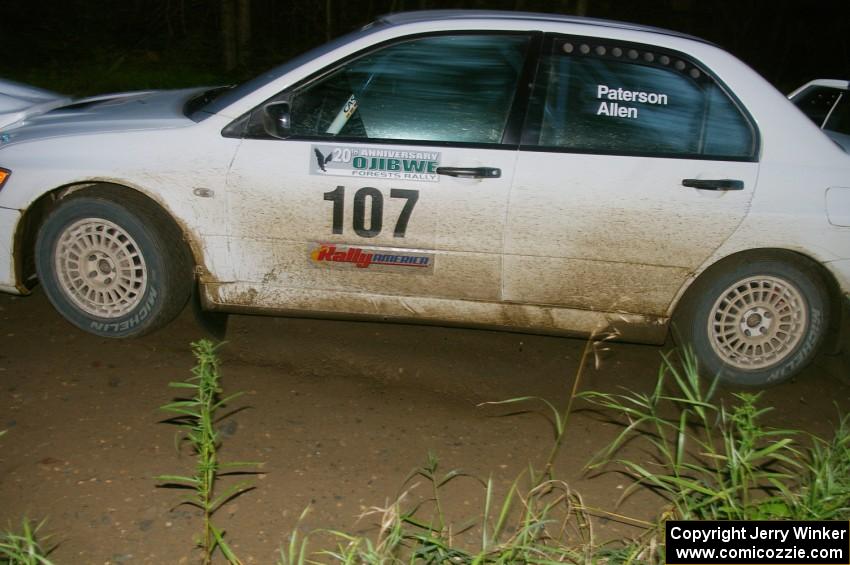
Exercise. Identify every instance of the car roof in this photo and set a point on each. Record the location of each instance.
(400, 18)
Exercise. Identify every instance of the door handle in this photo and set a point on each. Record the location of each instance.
(470, 172)
(715, 184)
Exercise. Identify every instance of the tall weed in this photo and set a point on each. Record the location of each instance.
(197, 417)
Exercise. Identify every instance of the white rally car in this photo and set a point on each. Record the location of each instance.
(534, 172)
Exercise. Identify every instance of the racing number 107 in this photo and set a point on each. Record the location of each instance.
(376, 215)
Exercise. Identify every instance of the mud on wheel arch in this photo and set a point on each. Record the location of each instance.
(113, 262)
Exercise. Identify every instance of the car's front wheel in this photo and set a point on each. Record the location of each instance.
(115, 268)
(755, 322)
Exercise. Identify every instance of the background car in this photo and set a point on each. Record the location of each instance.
(827, 103)
(534, 172)
(17, 101)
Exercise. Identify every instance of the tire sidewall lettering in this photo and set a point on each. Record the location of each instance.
(804, 351)
(131, 321)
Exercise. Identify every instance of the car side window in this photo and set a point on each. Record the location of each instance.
(609, 97)
(449, 88)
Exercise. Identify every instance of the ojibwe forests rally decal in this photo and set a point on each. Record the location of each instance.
(370, 162)
(332, 255)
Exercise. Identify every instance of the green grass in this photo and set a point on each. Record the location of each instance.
(24, 548)
(546, 524)
(825, 486)
(718, 462)
(708, 460)
(540, 519)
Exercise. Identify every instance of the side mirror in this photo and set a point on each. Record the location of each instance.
(276, 119)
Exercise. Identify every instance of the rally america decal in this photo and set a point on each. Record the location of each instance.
(368, 162)
(331, 255)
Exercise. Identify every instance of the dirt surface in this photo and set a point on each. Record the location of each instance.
(338, 412)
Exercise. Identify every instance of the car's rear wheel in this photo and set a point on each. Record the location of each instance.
(113, 268)
(755, 322)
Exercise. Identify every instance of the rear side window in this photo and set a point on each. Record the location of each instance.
(627, 99)
(448, 88)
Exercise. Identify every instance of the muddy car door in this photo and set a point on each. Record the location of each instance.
(635, 165)
(381, 180)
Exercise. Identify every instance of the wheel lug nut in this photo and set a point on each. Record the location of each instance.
(92, 257)
(92, 274)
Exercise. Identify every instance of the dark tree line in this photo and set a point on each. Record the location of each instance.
(787, 41)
